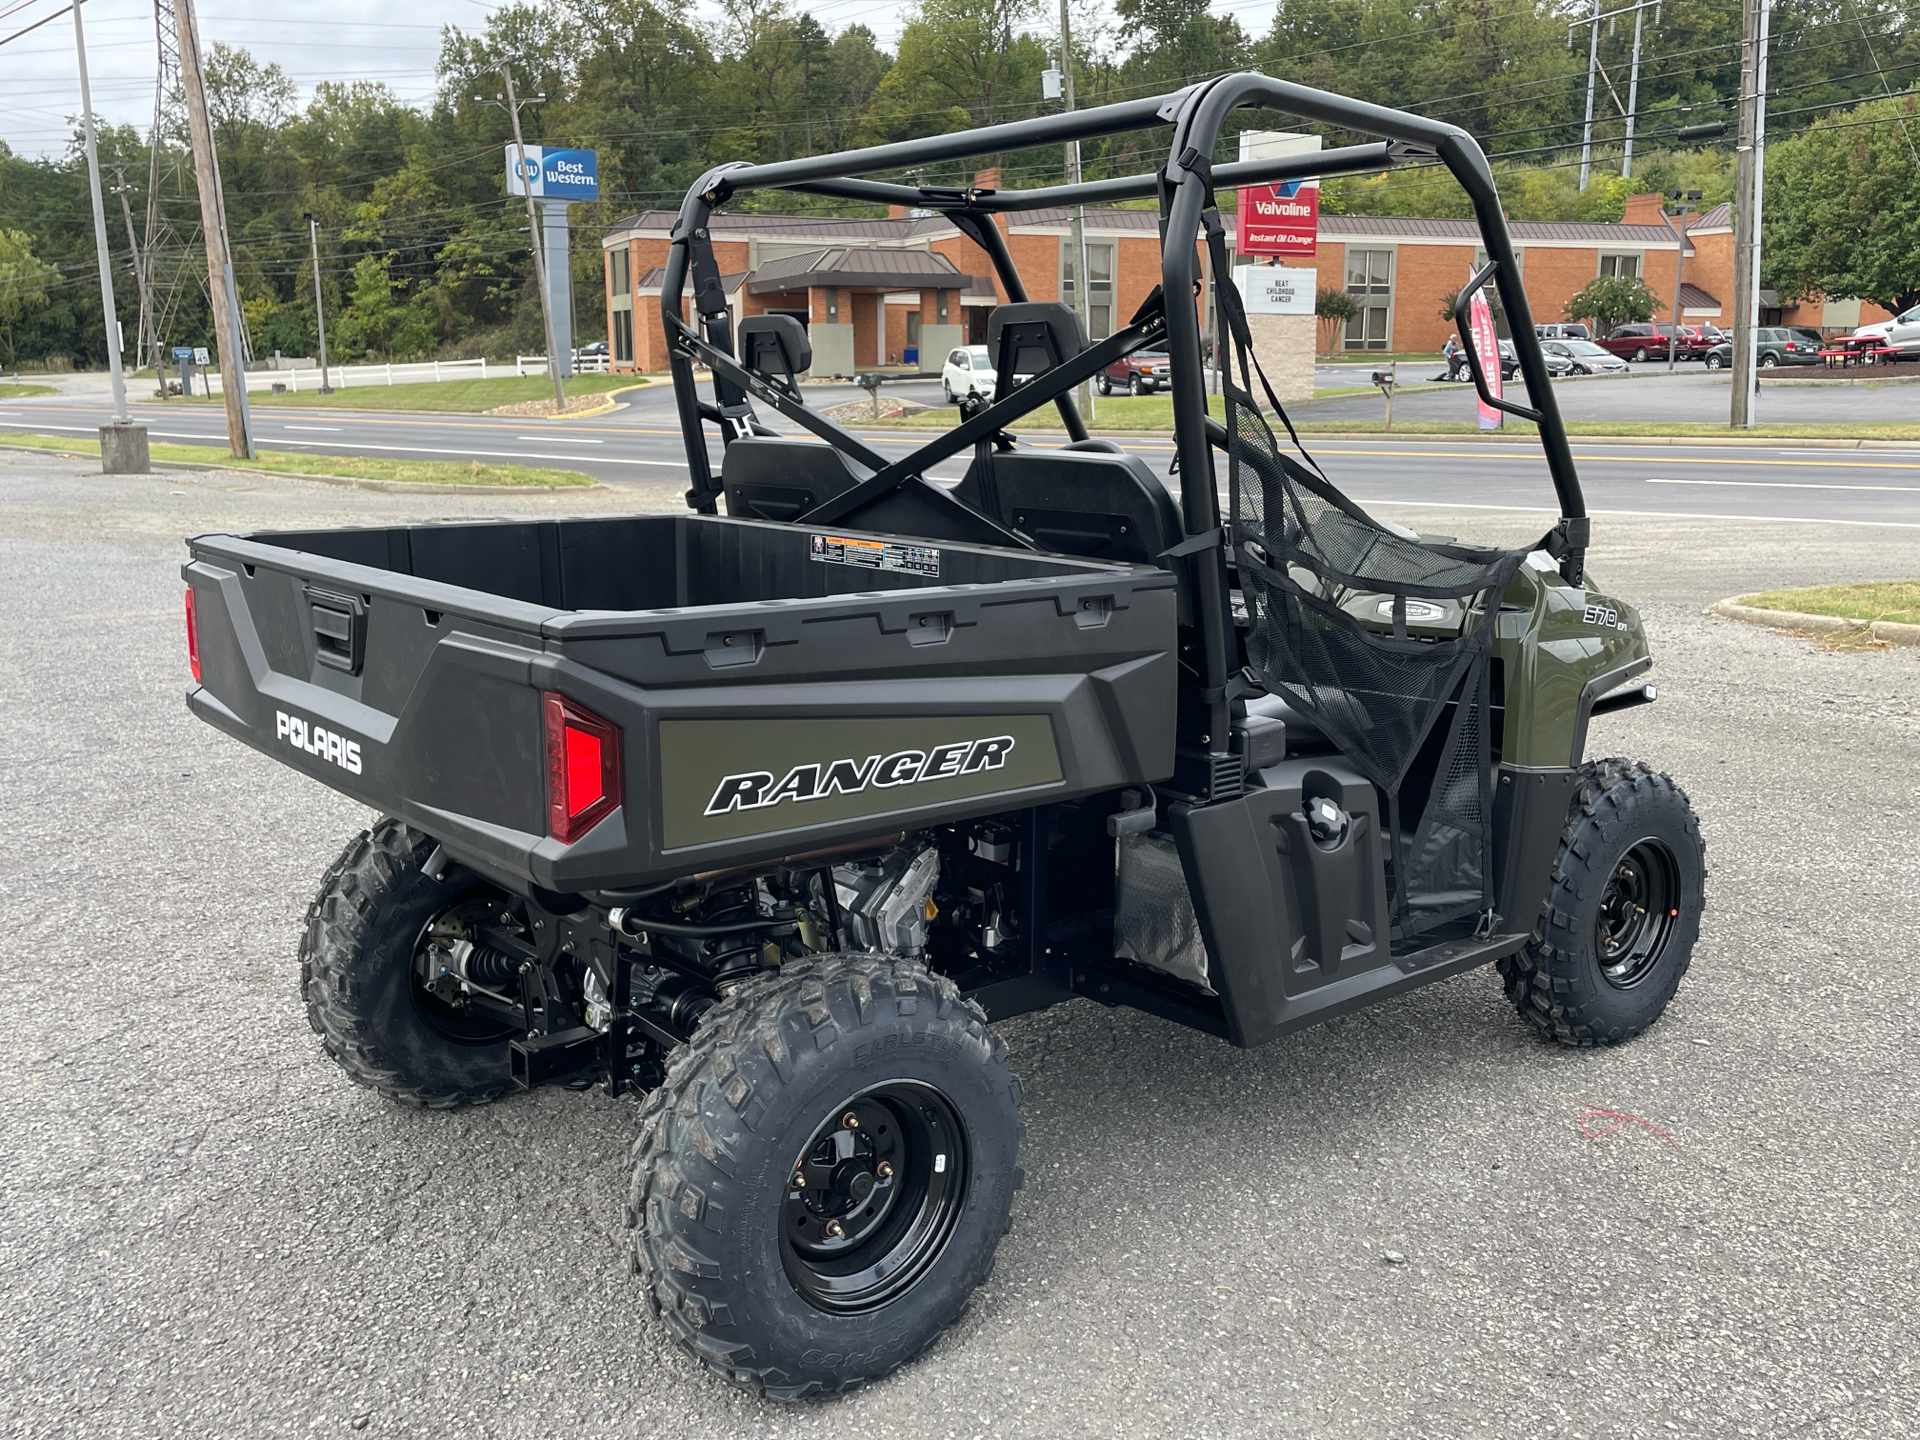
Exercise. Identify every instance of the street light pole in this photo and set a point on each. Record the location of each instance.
(147, 340)
(1679, 257)
(512, 106)
(1755, 15)
(319, 309)
(1077, 227)
(105, 258)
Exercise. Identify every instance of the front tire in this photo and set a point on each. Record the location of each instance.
(1618, 927)
(376, 906)
(1104, 385)
(822, 1179)
(1133, 385)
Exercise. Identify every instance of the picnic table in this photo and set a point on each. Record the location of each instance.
(1846, 353)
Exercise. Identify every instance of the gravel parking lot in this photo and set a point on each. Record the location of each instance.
(204, 1230)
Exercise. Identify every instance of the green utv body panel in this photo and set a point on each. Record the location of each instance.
(723, 779)
(1557, 642)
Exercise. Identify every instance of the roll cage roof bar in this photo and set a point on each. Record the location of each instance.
(1185, 188)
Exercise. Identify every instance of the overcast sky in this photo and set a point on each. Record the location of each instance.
(340, 40)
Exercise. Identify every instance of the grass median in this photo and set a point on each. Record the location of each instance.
(461, 397)
(11, 391)
(1895, 600)
(349, 467)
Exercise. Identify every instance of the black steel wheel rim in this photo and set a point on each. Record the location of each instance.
(1638, 911)
(873, 1197)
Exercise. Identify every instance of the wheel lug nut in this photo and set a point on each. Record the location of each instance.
(850, 1121)
(833, 1229)
(799, 1180)
(884, 1169)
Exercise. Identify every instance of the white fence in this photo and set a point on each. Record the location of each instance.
(582, 365)
(342, 377)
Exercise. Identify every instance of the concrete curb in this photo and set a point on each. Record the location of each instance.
(612, 403)
(1893, 632)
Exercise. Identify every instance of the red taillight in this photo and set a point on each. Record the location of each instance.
(193, 639)
(583, 767)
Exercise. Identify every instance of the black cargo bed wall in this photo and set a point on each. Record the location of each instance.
(640, 562)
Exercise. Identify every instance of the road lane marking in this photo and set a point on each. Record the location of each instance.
(1651, 514)
(1791, 485)
(557, 440)
(332, 429)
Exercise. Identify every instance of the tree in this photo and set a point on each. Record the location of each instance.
(1333, 307)
(23, 287)
(1609, 300)
(1842, 212)
(1177, 41)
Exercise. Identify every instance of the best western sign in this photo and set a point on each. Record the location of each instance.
(554, 174)
(1279, 219)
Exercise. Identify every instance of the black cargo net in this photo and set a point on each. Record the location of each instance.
(1327, 589)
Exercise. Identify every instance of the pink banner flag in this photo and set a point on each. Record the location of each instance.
(1486, 346)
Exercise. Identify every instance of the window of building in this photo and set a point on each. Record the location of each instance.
(623, 335)
(913, 329)
(618, 271)
(1625, 266)
(1370, 283)
(1099, 284)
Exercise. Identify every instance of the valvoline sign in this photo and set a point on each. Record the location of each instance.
(554, 174)
(1281, 219)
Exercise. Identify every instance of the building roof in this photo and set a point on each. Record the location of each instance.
(1720, 217)
(1692, 297)
(857, 266)
(651, 279)
(1420, 227)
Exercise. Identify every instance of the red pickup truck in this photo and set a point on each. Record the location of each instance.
(1649, 342)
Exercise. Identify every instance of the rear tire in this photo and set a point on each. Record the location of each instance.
(357, 976)
(1640, 354)
(1617, 930)
(1714, 362)
(741, 1263)
(1104, 385)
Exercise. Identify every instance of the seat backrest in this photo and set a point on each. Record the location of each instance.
(1028, 337)
(1094, 503)
(775, 346)
(779, 477)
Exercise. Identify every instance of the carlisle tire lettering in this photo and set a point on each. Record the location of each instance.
(755, 789)
(317, 741)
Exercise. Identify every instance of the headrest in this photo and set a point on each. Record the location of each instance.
(1041, 334)
(775, 345)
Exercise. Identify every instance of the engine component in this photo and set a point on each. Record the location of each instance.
(1326, 822)
(888, 902)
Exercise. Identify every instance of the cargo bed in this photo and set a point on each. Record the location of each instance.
(774, 689)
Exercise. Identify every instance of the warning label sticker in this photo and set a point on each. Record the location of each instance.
(876, 554)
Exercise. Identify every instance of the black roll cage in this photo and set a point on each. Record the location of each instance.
(1185, 189)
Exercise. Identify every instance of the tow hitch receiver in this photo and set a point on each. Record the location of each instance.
(538, 1060)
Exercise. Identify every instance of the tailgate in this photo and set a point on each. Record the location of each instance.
(746, 731)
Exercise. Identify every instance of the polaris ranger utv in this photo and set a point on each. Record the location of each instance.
(768, 815)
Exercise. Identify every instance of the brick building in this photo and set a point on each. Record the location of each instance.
(873, 291)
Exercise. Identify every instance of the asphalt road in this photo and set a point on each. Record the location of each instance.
(204, 1230)
(639, 446)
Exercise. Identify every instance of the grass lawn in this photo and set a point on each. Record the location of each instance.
(10, 391)
(355, 467)
(1155, 412)
(1897, 600)
(459, 396)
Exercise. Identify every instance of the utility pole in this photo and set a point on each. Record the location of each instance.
(213, 220)
(147, 342)
(1633, 96)
(101, 253)
(1679, 258)
(512, 106)
(319, 309)
(1755, 16)
(1077, 238)
(1593, 70)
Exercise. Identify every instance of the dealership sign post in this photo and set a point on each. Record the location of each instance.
(556, 178)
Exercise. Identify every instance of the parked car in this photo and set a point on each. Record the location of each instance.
(968, 371)
(1140, 374)
(1583, 357)
(1562, 330)
(598, 347)
(1774, 345)
(1649, 342)
(1457, 361)
(1880, 329)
